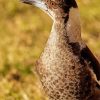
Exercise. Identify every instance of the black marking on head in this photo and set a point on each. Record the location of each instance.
(65, 8)
(71, 3)
(90, 58)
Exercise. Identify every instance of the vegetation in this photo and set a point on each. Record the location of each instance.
(24, 30)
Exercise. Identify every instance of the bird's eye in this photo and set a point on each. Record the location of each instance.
(52, 3)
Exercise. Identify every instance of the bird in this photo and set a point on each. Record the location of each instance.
(67, 68)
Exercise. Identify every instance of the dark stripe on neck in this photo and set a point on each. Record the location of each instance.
(65, 19)
(68, 4)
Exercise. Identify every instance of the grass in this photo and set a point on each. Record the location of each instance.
(24, 30)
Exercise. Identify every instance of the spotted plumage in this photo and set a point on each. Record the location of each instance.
(67, 69)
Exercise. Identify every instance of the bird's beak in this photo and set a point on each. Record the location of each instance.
(37, 3)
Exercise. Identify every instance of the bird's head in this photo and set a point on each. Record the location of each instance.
(55, 8)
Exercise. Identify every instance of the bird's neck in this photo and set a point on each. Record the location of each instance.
(67, 28)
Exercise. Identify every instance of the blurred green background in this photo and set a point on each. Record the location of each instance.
(24, 31)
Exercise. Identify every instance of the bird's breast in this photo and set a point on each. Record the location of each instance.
(62, 75)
